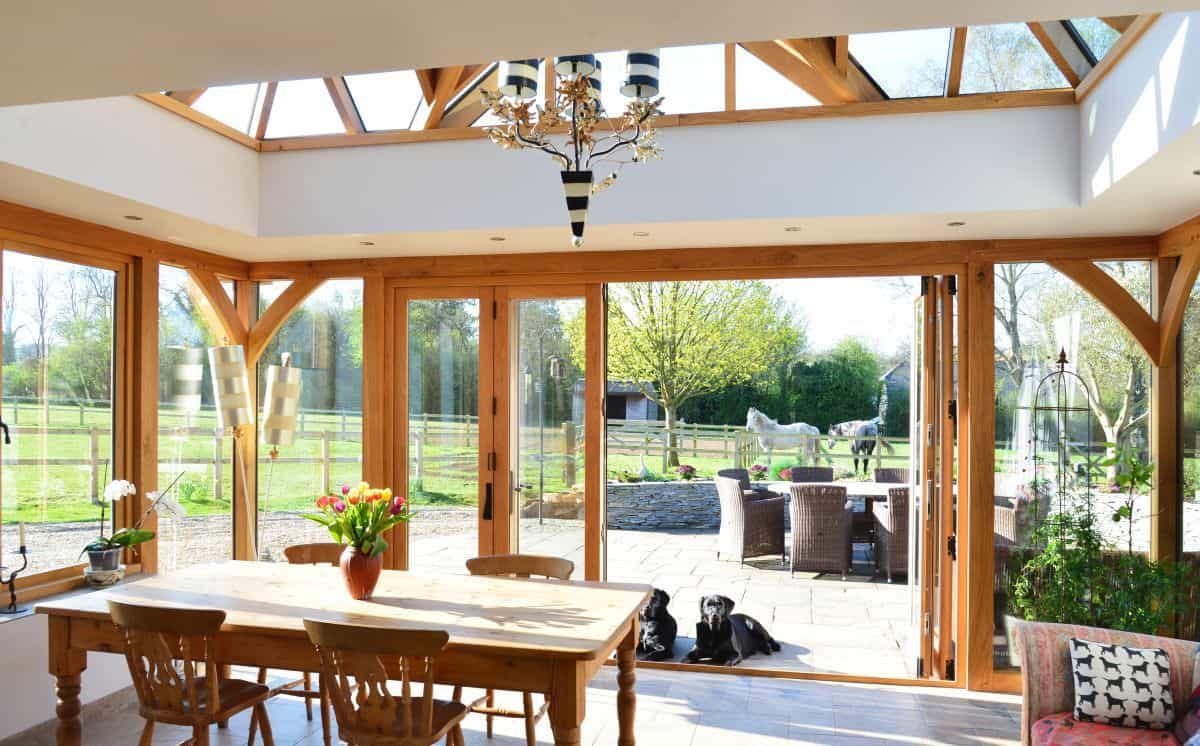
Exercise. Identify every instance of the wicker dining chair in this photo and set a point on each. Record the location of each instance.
(743, 478)
(523, 566)
(161, 650)
(891, 475)
(891, 532)
(752, 522)
(368, 714)
(321, 553)
(812, 473)
(821, 518)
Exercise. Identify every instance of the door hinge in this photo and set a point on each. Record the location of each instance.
(952, 284)
(952, 410)
(920, 668)
(952, 546)
(928, 624)
(929, 435)
(950, 670)
(926, 281)
(487, 502)
(495, 309)
(491, 461)
(494, 406)
(929, 499)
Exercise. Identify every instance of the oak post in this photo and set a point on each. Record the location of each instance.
(1165, 505)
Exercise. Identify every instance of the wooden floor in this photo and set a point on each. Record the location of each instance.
(674, 709)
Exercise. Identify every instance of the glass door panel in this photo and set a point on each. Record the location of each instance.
(446, 438)
(547, 381)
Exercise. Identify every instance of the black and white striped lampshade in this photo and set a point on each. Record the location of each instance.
(520, 79)
(575, 64)
(641, 74)
(188, 378)
(595, 84)
(578, 187)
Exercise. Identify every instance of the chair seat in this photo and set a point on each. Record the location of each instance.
(1064, 730)
(445, 716)
(235, 694)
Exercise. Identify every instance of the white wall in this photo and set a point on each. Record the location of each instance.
(1150, 100)
(1016, 159)
(133, 149)
(27, 693)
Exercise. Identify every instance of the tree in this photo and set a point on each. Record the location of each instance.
(843, 384)
(1000, 57)
(678, 340)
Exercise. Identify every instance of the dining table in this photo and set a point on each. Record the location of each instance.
(862, 525)
(548, 637)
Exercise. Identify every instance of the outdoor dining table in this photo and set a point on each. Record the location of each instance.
(549, 637)
(869, 492)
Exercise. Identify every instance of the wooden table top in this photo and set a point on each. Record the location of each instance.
(853, 489)
(575, 620)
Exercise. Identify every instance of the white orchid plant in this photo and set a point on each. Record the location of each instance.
(123, 538)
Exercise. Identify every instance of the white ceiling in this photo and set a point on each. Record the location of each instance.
(76, 49)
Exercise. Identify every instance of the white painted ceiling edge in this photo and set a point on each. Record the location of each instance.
(1009, 173)
(83, 49)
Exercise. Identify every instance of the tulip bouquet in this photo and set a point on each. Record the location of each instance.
(359, 516)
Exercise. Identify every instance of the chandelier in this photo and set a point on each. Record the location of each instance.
(583, 138)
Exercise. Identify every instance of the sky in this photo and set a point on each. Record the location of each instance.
(877, 311)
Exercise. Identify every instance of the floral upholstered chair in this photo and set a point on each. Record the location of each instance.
(1048, 687)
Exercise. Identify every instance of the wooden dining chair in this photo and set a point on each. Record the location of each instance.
(156, 638)
(323, 553)
(368, 714)
(516, 566)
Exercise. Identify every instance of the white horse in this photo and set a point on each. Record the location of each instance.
(772, 435)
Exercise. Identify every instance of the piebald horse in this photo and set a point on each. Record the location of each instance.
(864, 433)
(772, 435)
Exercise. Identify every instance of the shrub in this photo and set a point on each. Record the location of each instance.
(686, 472)
(758, 472)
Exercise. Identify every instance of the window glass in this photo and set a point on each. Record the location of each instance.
(303, 107)
(1007, 57)
(58, 405)
(690, 78)
(193, 454)
(1189, 445)
(387, 101)
(760, 87)
(232, 104)
(1097, 34)
(1039, 313)
(905, 63)
(324, 339)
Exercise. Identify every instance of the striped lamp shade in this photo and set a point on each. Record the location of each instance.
(595, 85)
(231, 388)
(575, 64)
(578, 186)
(281, 403)
(520, 79)
(188, 379)
(641, 74)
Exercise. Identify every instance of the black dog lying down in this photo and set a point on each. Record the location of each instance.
(723, 638)
(656, 640)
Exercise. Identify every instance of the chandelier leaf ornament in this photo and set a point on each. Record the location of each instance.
(572, 127)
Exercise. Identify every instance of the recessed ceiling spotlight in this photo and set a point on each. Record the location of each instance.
(134, 218)
(641, 234)
(497, 239)
(793, 229)
(955, 224)
(1196, 172)
(366, 243)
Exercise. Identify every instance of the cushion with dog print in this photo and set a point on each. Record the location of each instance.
(1187, 727)
(1117, 685)
(1061, 729)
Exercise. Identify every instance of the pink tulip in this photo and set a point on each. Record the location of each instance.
(345, 489)
(339, 507)
(397, 506)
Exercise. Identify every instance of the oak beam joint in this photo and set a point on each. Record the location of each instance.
(1113, 296)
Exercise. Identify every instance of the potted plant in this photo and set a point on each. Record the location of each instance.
(686, 472)
(104, 552)
(758, 472)
(358, 518)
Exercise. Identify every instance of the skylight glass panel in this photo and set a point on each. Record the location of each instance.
(1097, 34)
(1007, 57)
(387, 101)
(905, 63)
(230, 104)
(690, 78)
(612, 73)
(760, 87)
(303, 107)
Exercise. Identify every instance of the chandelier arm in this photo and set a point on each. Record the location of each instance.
(544, 147)
(637, 132)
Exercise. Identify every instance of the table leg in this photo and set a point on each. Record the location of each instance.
(66, 665)
(568, 695)
(626, 685)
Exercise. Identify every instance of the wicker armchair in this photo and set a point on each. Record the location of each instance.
(812, 473)
(891, 475)
(743, 478)
(1046, 681)
(752, 522)
(821, 517)
(891, 532)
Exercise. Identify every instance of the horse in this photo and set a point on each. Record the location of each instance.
(772, 435)
(864, 433)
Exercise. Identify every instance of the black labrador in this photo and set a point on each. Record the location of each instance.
(726, 639)
(656, 640)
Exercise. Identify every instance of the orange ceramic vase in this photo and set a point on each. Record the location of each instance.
(360, 572)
